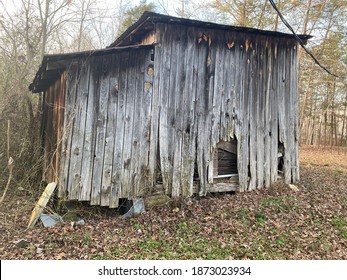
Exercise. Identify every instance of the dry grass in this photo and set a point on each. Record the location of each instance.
(333, 158)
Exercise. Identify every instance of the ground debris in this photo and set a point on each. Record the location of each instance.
(274, 223)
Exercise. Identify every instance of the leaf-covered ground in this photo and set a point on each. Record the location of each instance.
(277, 223)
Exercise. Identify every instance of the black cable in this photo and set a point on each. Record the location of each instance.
(299, 40)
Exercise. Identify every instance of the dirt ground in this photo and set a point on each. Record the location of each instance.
(309, 222)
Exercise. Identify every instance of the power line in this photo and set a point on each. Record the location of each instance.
(299, 40)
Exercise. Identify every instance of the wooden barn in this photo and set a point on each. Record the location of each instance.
(174, 104)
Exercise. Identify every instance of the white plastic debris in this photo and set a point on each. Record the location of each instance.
(137, 208)
(50, 220)
(80, 222)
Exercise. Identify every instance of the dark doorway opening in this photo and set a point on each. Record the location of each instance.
(225, 159)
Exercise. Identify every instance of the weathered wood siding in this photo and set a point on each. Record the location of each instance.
(52, 128)
(216, 85)
(144, 116)
(104, 127)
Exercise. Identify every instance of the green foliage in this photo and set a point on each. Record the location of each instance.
(340, 223)
(86, 238)
(133, 14)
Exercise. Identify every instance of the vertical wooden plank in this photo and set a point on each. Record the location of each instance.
(154, 109)
(246, 106)
(288, 122)
(243, 151)
(295, 104)
(231, 77)
(53, 129)
(190, 135)
(78, 134)
(110, 132)
(176, 174)
(47, 118)
(89, 133)
(212, 108)
(228, 80)
(272, 46)
(118, 167)
(164, 86)
(145, 89)
(212, 100)
(44, 120)
(127, 179)
(216, 92)
(282, 108)
(268, 117)
(69, 115)
(238, 111)
(101, 115)
(261, 119)
(137, 128)
(202, 99)
(61, 105)
(176, 112)
(184, 96)
(254, 96)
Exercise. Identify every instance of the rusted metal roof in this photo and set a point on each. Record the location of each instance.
(147, 22)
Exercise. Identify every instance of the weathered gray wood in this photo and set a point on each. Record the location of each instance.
(153, 160)
(231, 82)
(237, 112)
(242, 104)
(295, 108)
(164, 125)
(260, 116)
(117, 171)
(147, 122)
(47, 133)
(176, 114)
(230, 147)
(106, 189)
(288, 117)
(70, 105)
(281, 105)
(191, 136)
(78, 134)
(274, 111)
(223, 65)
(233, 89)
(216, 91)
(202, 121)
(127, 178)
(155, 112)
(254, 96)
(186, 96)
(89, 136)
(224, 187)
(60, 106)
(101, 106)
(144, 182)
(267, 120)
(138, 189)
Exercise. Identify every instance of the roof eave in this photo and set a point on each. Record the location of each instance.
(154, 17)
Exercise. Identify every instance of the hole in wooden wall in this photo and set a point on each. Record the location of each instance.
(150, 70)
(280, 166)
(225, 159)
